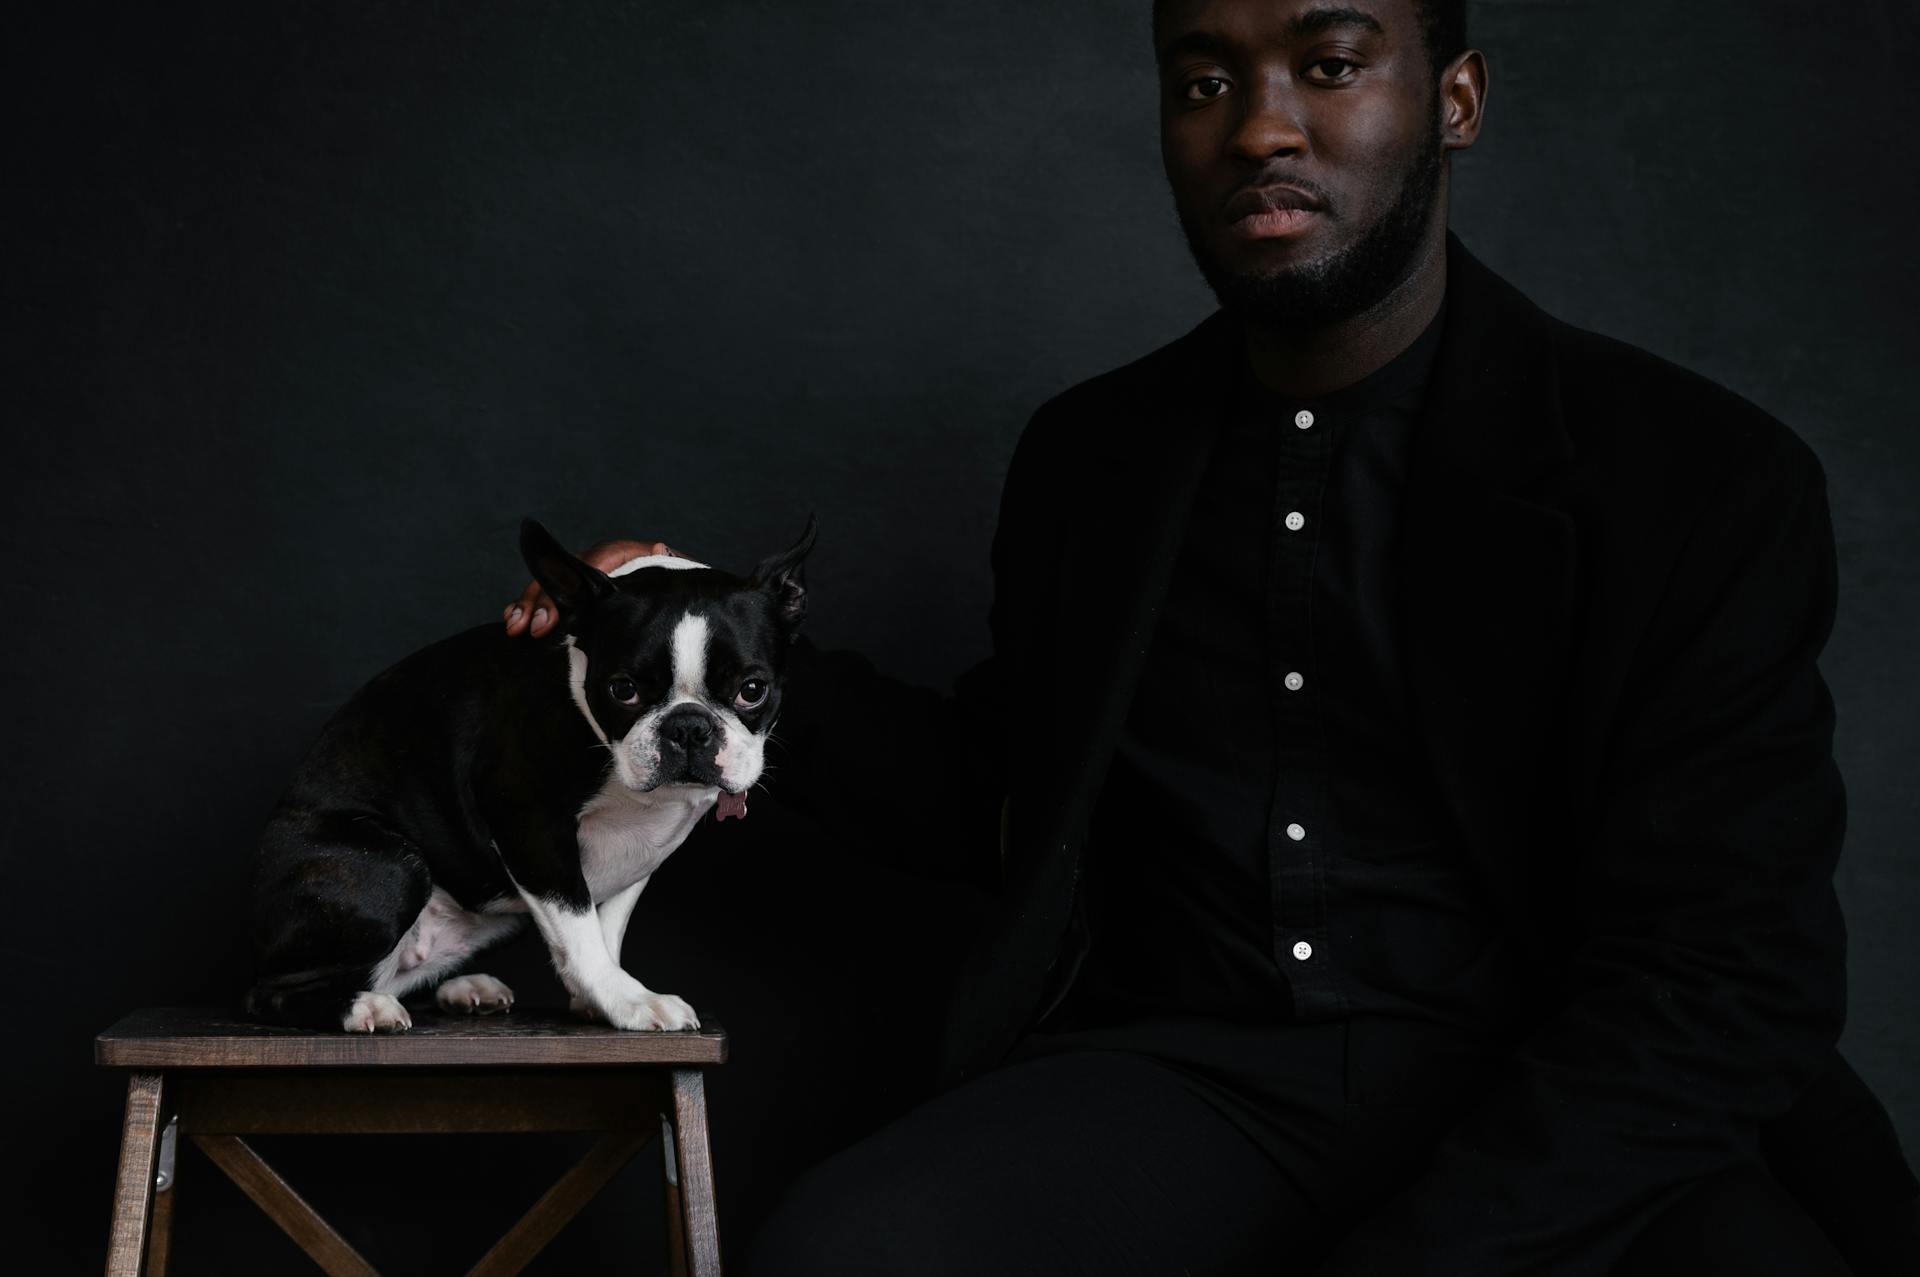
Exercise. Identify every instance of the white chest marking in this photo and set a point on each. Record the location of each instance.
(624, 836)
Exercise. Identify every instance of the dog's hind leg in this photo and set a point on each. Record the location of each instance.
(336, 895)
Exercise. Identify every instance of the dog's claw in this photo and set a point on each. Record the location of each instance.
(474, 995)
(376, 1013)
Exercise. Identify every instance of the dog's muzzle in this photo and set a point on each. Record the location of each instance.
(690, 746)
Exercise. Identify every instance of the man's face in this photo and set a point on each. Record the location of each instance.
(1302, 139)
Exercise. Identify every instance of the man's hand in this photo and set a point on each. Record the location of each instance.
(534, 613)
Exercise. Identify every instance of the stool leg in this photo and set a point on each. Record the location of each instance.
(699, 1224)
(133, 1187)
(676, 1218)
(166, 1190)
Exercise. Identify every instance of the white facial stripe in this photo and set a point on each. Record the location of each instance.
(577, 682)
(690, 657)
(673, 561)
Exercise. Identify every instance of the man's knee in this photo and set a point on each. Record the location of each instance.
(850, 1217)
(1740, 1220)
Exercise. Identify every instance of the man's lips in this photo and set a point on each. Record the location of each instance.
(1267, 212)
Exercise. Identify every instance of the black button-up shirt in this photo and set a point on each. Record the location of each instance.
(1269, 843)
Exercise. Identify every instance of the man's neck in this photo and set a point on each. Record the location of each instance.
(1308, 364)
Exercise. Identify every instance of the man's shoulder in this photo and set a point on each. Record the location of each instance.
(1190, 353)
(1628, 410)
(1636, 423)
(1192, 368)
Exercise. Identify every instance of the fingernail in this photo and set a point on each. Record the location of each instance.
(515, 614)
(540, 616)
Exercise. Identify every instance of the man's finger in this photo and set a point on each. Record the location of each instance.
(521, 612)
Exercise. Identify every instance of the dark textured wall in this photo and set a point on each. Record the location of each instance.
(320, 299)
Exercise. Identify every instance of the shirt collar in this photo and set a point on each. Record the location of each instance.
(1400, 381)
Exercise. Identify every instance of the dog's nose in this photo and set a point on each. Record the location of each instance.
(690, 729)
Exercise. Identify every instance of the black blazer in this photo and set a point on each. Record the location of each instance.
(1616, 577)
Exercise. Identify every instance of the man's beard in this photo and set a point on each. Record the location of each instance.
(1348, 280)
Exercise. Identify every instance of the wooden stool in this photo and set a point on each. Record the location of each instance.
(215, 1079)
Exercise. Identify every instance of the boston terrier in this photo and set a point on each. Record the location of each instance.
(486, 778)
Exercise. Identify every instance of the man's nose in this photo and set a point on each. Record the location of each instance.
(1269, 124)
(690, 729)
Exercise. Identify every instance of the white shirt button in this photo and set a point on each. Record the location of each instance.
(1296, 833)
(1302, 950)
(1295, 682)
(1303, 419)
(1296, 521)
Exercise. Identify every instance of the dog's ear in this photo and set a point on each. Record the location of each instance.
(574, 585)
(782, 577)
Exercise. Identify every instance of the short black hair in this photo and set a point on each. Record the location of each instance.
(1443, 28)
(1444, 24)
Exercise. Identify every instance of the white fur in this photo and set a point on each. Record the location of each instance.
(443, 935)
(742, 753)
(624, 835)
(673, 561)
(690, 658)
(614, 914)
(578, 943)
(376, 1013)
(577, 685)
(479, 994)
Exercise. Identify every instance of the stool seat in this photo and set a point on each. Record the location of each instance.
(197, 1038)
(211, 1078)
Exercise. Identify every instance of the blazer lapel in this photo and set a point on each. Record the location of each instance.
(1488, 557)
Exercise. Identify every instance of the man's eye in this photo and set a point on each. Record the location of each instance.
(1325, 69)
(622, 689)
(1206, 88)
(751, 694)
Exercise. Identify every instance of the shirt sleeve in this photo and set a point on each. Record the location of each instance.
(1705, 985)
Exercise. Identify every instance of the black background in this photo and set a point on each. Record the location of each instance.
(320, 299)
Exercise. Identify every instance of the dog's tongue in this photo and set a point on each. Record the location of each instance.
(730, 805)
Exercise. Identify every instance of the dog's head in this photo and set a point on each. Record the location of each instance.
(677, 666)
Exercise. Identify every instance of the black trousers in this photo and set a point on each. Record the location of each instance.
(1075, 1158)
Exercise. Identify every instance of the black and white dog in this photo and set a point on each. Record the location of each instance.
(486, 778)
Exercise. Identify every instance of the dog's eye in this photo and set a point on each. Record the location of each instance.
(751, 694)
(621, 688)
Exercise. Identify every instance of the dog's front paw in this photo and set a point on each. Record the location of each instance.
(474, 994)
(645, 1010)
(376, 1013)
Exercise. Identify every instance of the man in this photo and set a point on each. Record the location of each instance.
(1403, 760)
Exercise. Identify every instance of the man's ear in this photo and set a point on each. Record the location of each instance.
(782, 577)
(574, 585)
